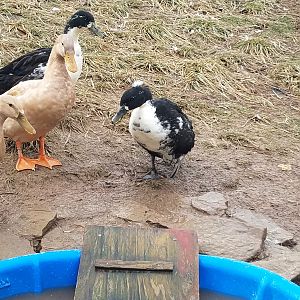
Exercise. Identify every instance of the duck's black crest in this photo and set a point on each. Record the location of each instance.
(80, 19)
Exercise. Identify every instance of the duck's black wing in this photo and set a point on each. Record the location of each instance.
(25, 64)
(26, 67)
(181, 136)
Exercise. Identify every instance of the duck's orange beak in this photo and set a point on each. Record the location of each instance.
(70, 61)
(24, 123)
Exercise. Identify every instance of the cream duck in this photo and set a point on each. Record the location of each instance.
(45, 102)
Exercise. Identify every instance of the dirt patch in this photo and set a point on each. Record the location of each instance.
(101, 178)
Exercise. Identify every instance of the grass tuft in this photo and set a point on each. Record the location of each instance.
(206, 29)
(284, 25)
(288, 73)
(259, 46)
(257, 6)
(155, 30)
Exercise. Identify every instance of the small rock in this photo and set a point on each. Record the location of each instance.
(276, 234)
(230, 238)
(285, 167)
(224, 237)
(174, 49)
(36, 223)
(12, 245)
(217, 235)
(230, 165)
(55, 9)
(212, 203)
(282, 261)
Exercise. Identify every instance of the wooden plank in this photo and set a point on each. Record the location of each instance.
(138, 244)
(134, 265)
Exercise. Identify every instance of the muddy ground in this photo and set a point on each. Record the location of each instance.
(100, 182)
(243, 99)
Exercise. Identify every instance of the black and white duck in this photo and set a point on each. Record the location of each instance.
(158, 125)
(31, 66)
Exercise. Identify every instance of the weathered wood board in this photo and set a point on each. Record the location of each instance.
(119, 263)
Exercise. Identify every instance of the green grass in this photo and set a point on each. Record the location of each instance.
(206, 29)
(284, 25)
(259, 46)
(177, 4)
(257, 6)
(121, 8)
(155, 30)
(237, 21)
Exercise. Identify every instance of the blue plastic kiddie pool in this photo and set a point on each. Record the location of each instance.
(58, 269)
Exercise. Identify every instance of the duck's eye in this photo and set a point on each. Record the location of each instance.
(62, 44)
(10, 105)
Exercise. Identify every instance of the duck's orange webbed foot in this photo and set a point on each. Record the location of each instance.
(23, 163)
(44, 160)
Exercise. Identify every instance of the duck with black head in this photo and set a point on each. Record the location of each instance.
(158, 125)
(32, 65)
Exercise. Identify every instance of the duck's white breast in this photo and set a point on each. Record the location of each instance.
(146, 128)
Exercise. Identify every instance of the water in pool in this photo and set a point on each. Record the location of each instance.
(68, 294)
(55, 294)
(208, 295)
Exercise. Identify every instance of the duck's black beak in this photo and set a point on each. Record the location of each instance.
(95, 30)
(119, 115)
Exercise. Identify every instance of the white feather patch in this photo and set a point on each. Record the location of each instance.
(147, 130)
(180, 122)
(137, 83)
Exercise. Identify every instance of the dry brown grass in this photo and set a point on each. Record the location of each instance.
(218, 59)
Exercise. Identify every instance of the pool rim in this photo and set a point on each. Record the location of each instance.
(261, 283)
